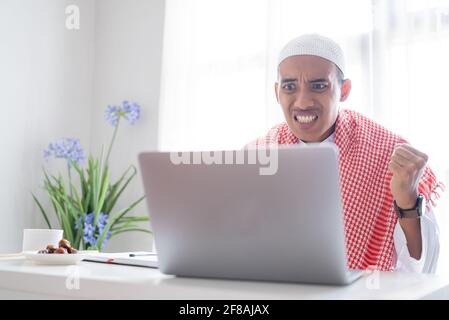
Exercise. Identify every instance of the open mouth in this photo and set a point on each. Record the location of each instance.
(309, 119)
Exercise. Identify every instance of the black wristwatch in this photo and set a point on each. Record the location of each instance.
(415, 212)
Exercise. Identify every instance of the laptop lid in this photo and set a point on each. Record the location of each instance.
(270, 214)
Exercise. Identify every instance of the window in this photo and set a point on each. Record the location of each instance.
(220, 62)
(220, 65)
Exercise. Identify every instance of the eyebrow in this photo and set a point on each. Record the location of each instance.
(319, 80)
(287, 80)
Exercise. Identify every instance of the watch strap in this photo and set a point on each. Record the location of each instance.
(414, 212)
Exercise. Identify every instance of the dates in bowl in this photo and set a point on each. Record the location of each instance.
(64, 254)
(64, 247)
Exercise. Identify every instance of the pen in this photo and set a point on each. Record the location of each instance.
(141, 254)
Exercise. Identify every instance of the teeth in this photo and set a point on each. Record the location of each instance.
(305, 119)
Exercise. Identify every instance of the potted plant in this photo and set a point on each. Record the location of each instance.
(86, 208)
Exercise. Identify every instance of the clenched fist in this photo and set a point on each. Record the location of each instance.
(407, 165)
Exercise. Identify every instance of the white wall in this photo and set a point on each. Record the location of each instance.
(56, 83)
(46, 93)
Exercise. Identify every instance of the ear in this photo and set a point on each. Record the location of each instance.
(345, 90)
(276, 87)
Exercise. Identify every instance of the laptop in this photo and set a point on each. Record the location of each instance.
(270, 214)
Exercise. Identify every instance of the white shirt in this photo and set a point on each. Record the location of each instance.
(430, 242)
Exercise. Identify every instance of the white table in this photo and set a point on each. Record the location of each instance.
(21, 279)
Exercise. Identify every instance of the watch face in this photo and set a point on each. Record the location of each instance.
(421, 204)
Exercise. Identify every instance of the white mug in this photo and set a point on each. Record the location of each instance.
(39, 239)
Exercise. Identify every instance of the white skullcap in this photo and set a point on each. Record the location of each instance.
(314, 45)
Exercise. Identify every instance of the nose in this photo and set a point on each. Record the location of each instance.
(303, 99)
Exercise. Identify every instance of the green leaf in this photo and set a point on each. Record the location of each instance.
(56, 195)
(87, 200)
(93, 174)
(74, 213)
(133, 219)
(77, 199)
(125, 226)
(90, 177)
(71, 214)
(48, 182)
(129, 222)
(102, 164)
(83, 181)
(122, 213)
(78, 238)
(95, 185)
(112, 221)
(65, 224)
(103, 189)
(52, 192)
(42, 211)
(130, 229)
(114, 194)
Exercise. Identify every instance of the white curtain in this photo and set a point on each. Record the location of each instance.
(410, 50)
(219, 64)
(219, 68)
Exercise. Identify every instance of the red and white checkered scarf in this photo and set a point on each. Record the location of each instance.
(369, 217)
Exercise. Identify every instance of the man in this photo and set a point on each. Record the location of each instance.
(384, 179)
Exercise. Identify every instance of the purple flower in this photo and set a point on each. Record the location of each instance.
(91, 234)
(132, 111)
(102, 222)
(68, 148)
(129, 111)
(112, 115)
(88, 234)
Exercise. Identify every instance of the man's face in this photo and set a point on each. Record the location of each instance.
(308, 92)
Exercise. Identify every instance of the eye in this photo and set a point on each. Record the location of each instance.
(289, 86)
(319, 86)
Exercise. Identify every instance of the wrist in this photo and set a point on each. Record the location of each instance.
(408, 201)
(415, 211)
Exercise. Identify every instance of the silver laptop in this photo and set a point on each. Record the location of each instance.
(271, 214)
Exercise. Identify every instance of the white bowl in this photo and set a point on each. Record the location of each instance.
(55, 259)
